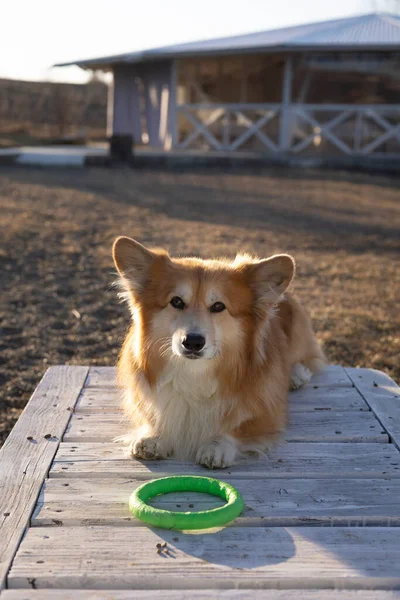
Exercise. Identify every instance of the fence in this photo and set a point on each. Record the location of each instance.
(302, 129)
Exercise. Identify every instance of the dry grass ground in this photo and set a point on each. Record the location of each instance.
(57, 228)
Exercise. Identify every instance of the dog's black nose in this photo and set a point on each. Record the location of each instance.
(193, 342)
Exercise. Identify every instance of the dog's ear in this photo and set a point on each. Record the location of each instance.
(271, 277)
(133, 262)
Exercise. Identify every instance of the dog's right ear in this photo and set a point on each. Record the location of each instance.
(133, 262)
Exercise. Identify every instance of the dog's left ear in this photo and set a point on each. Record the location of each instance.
(272, 276)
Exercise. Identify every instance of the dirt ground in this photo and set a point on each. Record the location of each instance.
(57, 227)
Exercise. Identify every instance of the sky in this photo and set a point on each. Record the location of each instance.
(36, 34)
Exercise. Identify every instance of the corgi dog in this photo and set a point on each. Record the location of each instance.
(214, 347)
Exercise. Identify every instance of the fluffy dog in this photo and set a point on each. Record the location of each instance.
(213, 349)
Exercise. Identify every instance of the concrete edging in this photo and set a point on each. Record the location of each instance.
(174, 160)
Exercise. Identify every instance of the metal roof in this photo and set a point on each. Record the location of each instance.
(376, 31)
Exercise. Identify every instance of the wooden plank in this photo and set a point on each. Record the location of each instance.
(234, 557)
(235, 106)
(207, 594)
(200, 595)
(307, 460)
(102, 377)
(365, 108)
(95, 427)
(382, 395)
(317, 426)
(269, 502)
(332, 375)
(99, 399)
(326, 398)
(28, 452)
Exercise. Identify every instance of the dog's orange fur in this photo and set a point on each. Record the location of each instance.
(258, 340)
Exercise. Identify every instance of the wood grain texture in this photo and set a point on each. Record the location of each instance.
(126, 558)
(326, 398)
(201, 594)
(315, 426)
(285, 461)
(102, 377)
(333, 375)
(108, 400)
(267, 502)
(382, 395)
(83, 535)
(100, 399)
(27, 453)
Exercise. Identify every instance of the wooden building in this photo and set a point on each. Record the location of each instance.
(320, 90)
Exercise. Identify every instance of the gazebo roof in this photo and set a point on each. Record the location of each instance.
(376, 31)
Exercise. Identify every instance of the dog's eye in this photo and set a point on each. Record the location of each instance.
(217, 307)
(177, 302)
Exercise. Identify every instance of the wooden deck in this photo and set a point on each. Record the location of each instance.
(322, 513)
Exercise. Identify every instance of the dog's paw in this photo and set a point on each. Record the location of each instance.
(148, 448)
(299, 376)
(217, 454)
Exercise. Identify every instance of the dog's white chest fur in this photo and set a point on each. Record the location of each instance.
(188, 411)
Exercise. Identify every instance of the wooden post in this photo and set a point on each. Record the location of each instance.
(226, 130)
(172, 110)
(157, 85)
(124, 121)
(110, 108)
(358, 131)
(286, 116)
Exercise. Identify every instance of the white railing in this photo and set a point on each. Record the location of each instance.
(365, 130)
(312, 129)
(229, 127)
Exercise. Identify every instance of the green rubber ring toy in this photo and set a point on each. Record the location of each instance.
(186, 520)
